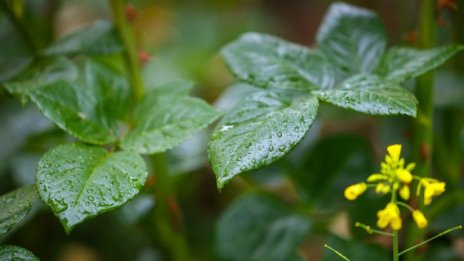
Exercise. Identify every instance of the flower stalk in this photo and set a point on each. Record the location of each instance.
(422, 140)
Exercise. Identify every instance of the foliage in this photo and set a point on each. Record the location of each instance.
(350, 70)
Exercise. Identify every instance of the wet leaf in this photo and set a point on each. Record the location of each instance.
(259, 130)
(258, 227)
(80, 181)
(15, 206)
(16, 253)
(98, 38)
(89, 107)
(352, 38)
(372, 95)
(166, 117)
(269, 62)
(402, 63)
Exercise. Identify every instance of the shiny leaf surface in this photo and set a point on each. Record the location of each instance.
(402, 63)
(166, 117)
(259, 227)
(8, 252)
(98, 38)
(15, 206)
(372, 95)
(89, 107)
(269, 62)
(352, 38)
(259, 130)
(80, 181)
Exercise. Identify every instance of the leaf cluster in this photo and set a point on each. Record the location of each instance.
(350, 68)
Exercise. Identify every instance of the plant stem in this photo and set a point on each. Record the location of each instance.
(127, 37)
(337, 252)
(395, 245)
(167, 214)
(430, 239)
(423, 123)
(422, 142)
(372, 230)
(395, 232)
(447, 143)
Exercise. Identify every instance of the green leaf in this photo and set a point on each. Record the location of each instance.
(15, 206)
(99, 38)
(354, 250)
(259, 130)
(15, 253)
(372, 95)
(80, 181)
(329, 166)
(259, 227)
(89, 107)
(352, 38)
(402, 63)
(166, 117)
(269, 62)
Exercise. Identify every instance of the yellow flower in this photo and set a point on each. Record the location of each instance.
(354, 191)
(404, 175)
(394, 151)
(390, 215)
(393, 173)
(419, 218)
(404, 192)
(433, 188)
(377, 177)
(382, 188)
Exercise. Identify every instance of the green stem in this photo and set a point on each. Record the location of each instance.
(372, 230)
(430, 239)
(447, 143)
(405, 206)
(422, 141)
(169, 225)
(395, 232)
(127, 37)
(169, 222)
(423, 123)
(395, 245)
(336, 252)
